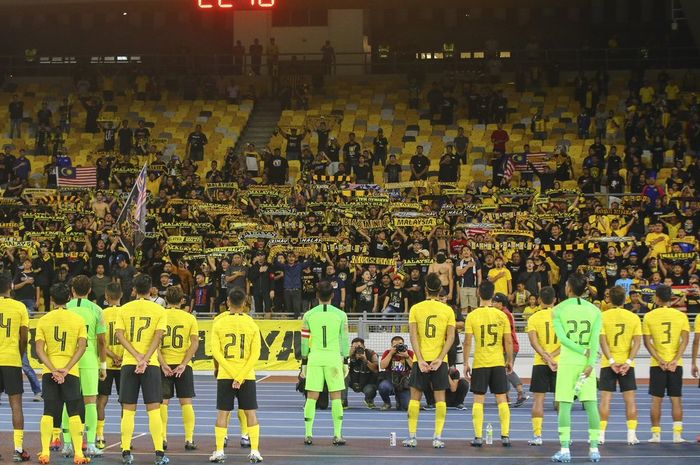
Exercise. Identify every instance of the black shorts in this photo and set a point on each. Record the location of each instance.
(183, 386)
(148, 383)
(609, 380)
(104, 388)
(11, 382)
(665, 382)
(543, 379)
(437, 380)
(66, 392)
(493, 379)
(226, 395)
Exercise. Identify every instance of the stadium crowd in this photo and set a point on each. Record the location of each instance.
(247, 225)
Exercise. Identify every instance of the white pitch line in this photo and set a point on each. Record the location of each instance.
(117, 443)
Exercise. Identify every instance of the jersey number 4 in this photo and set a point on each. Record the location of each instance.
(6, 325)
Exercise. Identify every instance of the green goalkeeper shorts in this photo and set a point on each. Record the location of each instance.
(89, 381)
(567, 376)
(331, 375)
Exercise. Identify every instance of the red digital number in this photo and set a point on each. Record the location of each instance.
(208, 4)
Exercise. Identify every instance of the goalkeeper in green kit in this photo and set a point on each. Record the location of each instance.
(324, 350)
(577, 324)
(93, 365)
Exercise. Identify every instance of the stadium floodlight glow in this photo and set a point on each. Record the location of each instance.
(479, 55)
(504, 54)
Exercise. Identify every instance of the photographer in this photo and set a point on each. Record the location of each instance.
(455, 395)
(396, 365)
(364, 367)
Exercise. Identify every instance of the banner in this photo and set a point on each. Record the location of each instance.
(678, 256)
(280, 348)
(418, 221)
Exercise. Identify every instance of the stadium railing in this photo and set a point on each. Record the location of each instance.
(397, 61)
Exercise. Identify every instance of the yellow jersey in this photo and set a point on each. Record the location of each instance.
(60, 330)
(620, 326)
(141, 320)
(13, 316)
(235, 345)
(110, 316)
(501, 284)
(489, 326)
(529, 311)
(177, 339)
(665, 326)
(433, 320)
(659, 247)
(543, 326)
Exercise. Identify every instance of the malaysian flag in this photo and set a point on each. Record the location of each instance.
(141, 207)
(508, 170)
(68, 176)
(132, 219)
(538, 160)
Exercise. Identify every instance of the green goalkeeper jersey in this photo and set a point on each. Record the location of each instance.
(95, 325)
(577, 323)
(324, 336)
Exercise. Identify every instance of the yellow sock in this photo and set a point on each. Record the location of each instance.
(254, 434)
(677, 427)
(243, 420)
(220, 434)
(440, 415)
(632, 425)
(188, 421)
(413, 411)
(656, 429)
(164, 420)
(19, 439)
(127, 427)
(504, 415)
(75, 426)
(46, 428)
(155, 426)
(56, 434)
(100, 431)
(603, 425)
(537, 426)
(478, 419)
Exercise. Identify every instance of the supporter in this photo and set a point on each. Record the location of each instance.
(195, 144)
(419, 165)
(364, 366)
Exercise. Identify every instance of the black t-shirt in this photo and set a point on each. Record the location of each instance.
(333, 152)
(420, 162)
(27, 292)
(396, 299)
(415, 291)
(294, 143)
(197, 140)
(461, 143)
(125, 137)
(363, 173)
(393, 172)
(308, 284)
(277, 169)
(322, 138)
(448, 171)
(380, 145)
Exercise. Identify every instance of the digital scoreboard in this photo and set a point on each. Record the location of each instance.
(236, 4)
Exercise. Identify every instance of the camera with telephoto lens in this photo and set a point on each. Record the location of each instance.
(360, 351)
(401, 348)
